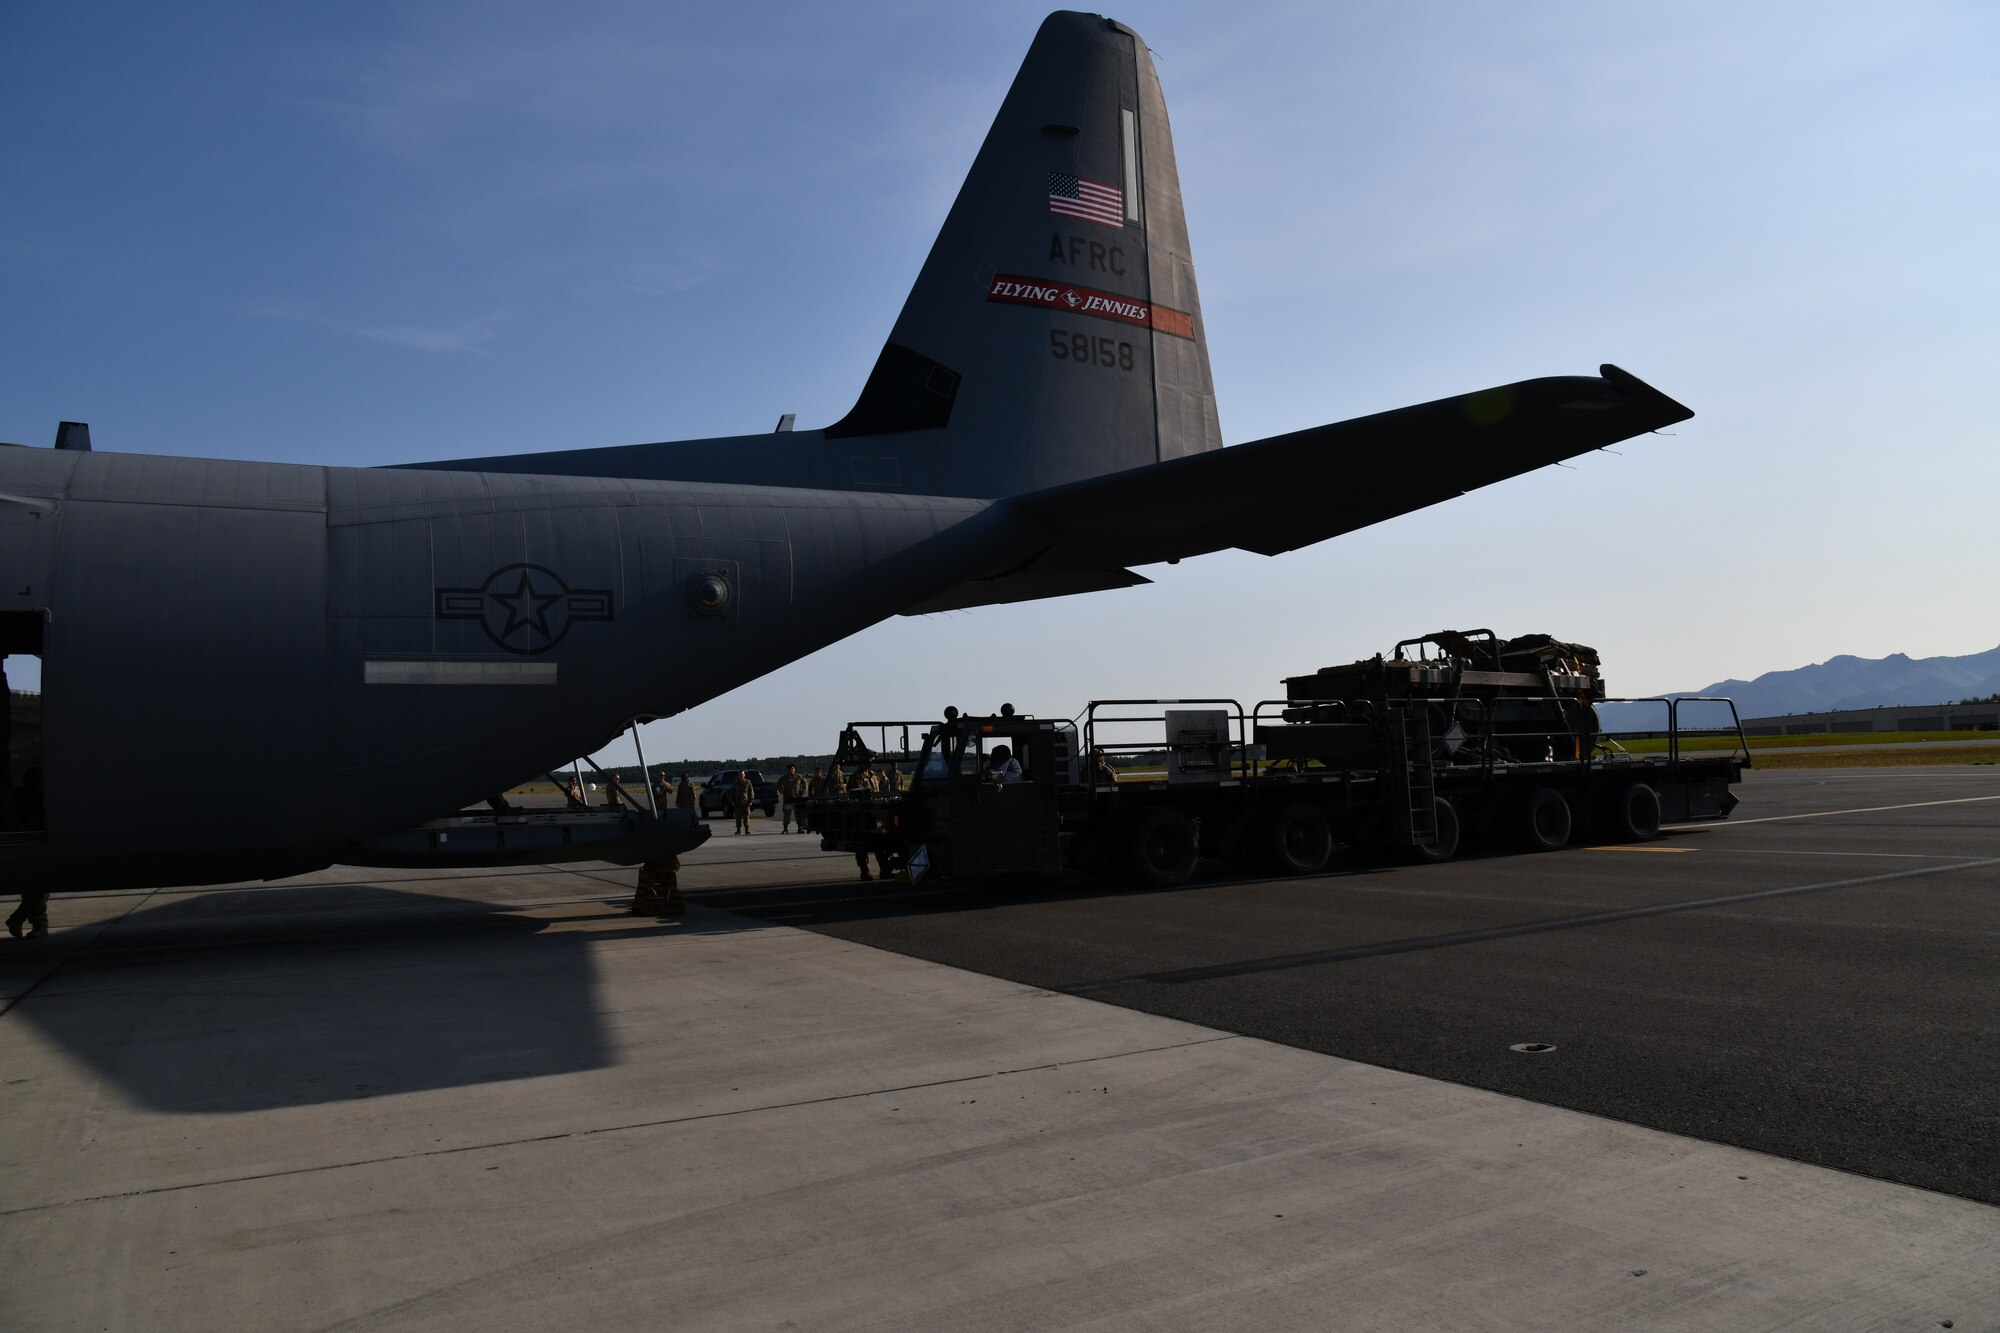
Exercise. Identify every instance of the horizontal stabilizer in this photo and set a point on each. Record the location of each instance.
(1289, 491)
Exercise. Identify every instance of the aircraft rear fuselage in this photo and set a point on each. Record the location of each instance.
(248, 665)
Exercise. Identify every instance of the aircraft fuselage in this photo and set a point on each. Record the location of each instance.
(247, 666)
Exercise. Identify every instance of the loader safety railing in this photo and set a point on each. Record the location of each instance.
(1112, 729)
(898, 741)
(1702, 726)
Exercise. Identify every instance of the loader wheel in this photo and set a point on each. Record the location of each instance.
(1155, 849)
(1446, 845)
(1631, 813)
(1291, 839)
(1542, 821)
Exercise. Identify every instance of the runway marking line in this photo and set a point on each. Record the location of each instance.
(1872, 856)
(1669, 851)
(1823, 814)
(1249, 967)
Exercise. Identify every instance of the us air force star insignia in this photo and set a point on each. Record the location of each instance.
(525, 609)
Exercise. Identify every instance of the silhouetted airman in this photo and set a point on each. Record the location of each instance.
(659, 889)
(33, 913)
(791, 790)
(1101, 771)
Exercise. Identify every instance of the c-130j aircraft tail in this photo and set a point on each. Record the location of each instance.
(1053, 333)
(396, 643)
(1054, 337)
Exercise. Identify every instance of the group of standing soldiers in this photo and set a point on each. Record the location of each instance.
(659, 893)
(795, 787)
(867, 781)
(677, 793)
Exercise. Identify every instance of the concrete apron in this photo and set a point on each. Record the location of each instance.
(783, 1128)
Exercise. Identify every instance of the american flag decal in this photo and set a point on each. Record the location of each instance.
(1075, 197)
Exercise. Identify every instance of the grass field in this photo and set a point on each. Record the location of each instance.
(1693, 743)
(1871, 756)
(1870, 749)
(1882, 756)
(1887, 749)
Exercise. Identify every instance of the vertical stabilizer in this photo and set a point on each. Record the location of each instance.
(1055, 332)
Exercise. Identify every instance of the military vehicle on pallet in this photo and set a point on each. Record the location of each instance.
(1455, 737)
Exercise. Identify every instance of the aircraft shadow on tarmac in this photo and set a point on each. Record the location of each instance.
(248, 1001)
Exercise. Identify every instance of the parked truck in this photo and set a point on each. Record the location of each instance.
(718, 791)
(1456, 736)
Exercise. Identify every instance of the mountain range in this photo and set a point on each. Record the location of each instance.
(1864, 682)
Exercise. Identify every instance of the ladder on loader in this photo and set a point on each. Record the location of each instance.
(1415, 779)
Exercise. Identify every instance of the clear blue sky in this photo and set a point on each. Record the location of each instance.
(372, 233)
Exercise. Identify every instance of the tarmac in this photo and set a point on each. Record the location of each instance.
(494, 1100)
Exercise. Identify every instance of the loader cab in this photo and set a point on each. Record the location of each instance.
(982, 825)
(962, 750)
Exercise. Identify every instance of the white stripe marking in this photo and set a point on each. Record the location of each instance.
(1824, 814)
(458, 673)
(1873, 856)
(1129, 136)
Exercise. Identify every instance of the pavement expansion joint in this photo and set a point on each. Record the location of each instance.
(628, 1127)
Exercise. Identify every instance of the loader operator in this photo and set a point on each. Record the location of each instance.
(1005, 767)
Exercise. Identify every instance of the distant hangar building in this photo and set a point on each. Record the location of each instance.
(1910, 717)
